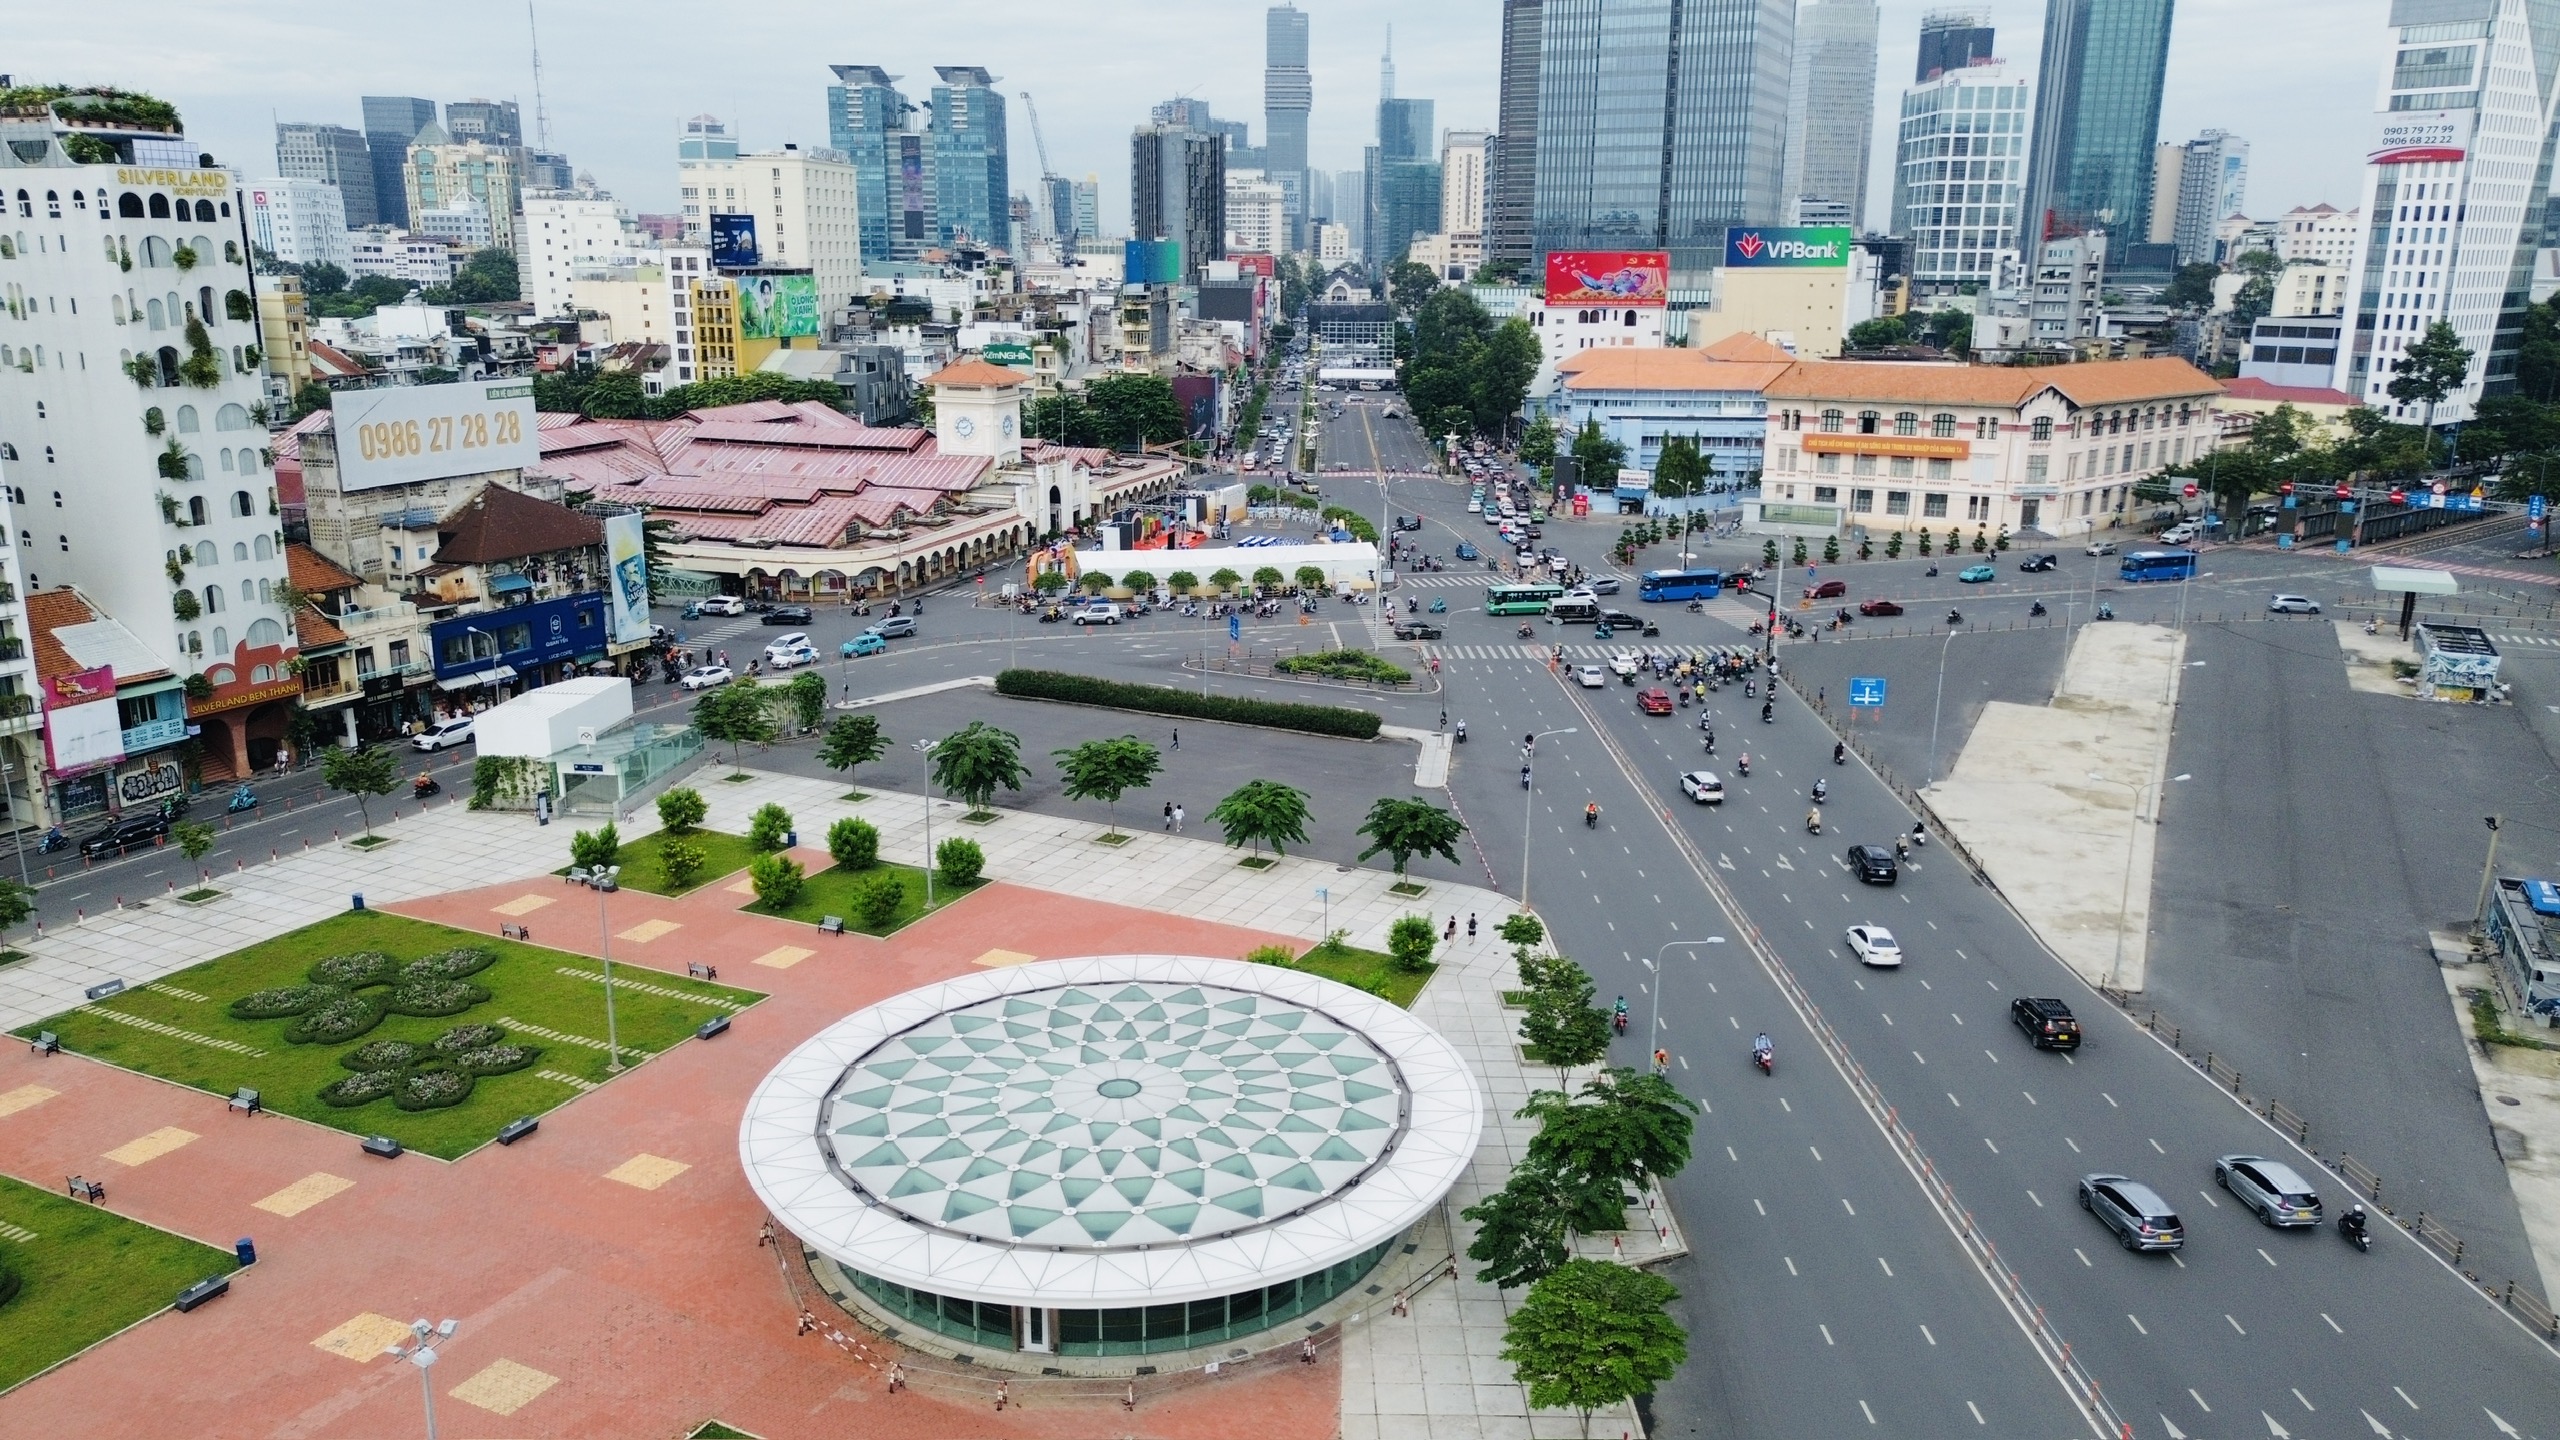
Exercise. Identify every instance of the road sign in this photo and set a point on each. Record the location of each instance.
(2534, 506)
(1235, 626)
(1866, 691)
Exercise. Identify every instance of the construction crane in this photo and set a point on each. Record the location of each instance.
(1037, 140)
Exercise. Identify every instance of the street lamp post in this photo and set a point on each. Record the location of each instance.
(604, 881)
(925, 748)
(1526, 795)
(493, 660)
(2488, 867)
(1653, 1031)
(423, 1355)
(2124, 900)
(1938, 707)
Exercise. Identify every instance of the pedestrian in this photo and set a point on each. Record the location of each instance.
(1168, 817)
(764, 1235)
(897, 1377)
(1002, 1392)
(1177, 819)
(1129, 1397)
(1177, 739)
(1471, 924)
(808, 1322)
(1452, 932)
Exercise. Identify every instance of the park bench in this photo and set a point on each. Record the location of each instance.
(83, 1188)
(244, 1100)
(832, 925)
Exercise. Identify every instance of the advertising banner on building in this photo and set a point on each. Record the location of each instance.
(733, 242)
(406, 434)
(1788, 247)
(81, 727)
(1609, 277)
(1150, 262)
(1015, 353)
(627, 561)
(777, 307)
(2421, 137)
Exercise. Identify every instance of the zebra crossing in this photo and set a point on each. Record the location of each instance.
(1538, 653)
(2510, 637)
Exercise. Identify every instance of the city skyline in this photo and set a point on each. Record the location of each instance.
(616, 105)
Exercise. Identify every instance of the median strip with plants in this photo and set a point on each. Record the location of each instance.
(1339, 720)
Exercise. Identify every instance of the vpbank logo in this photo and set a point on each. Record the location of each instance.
(1790, 247)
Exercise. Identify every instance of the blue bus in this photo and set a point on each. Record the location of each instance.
(2144, 565)
(1680, 585)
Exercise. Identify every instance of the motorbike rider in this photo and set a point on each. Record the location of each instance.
(1768, 711)
(1761, 1049)
(1742, 762)
(1524, 777)
(2035, 611)
(1839, 752)
(1821, 791)
(1955, 616)
(2351, 1222)
(1591, 816)
(1813, 821)
(1462, 732)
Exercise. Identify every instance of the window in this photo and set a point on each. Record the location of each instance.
(1863, 465)
(222, 646)
(1862, 501)
(1986, 427)
(2042, 429)
(1977, 507)
(206, 554)
(2037, 468)
(1933, 506)
(1869, 422)
(249, 592)
(1902, 467)
(1897, 502)
(1826, 464)
(263, 549)
(1942, 470)
(195, 509)
(239, 551)
(1906, 423)
(241, 504)
(1942, 425)
(213, 603)
(1826, 494)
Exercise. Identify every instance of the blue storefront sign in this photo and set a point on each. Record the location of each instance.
(520, 638)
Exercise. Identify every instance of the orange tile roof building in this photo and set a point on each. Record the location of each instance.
(1641, 398)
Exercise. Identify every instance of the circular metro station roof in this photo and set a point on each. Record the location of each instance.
(1111, 1131)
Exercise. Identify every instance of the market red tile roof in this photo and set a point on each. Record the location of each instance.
(1743, 345)
(313, 573)
(2247, 388)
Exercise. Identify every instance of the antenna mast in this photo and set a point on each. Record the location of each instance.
(541, 117)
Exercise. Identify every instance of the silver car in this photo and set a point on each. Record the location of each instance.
(2134, 1211)
(2273, 1189)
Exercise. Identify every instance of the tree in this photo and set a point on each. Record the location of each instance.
(488, 277)
(1881, 333)
(1521, 931)
(1563, 1024)
(681, 810)
(778, 880)
(1182, 582)
(1140, 581)
(1411, 285)
(1952, 331)
(1263, 811)
(854, 843)
(192, 838)
(1594, 1334)
(17, 902)
(1524, 1230)
(312, 396)
(1106, 769)
(770, 828)
(680, 860)
(1598, 455)
(1128, 409)
(1538, 442)
(1094, 582)
(960, 861)
(1049, 582)
(2435, 365)
(1406, 828)
(1311, 579)
(595, 849)
(322, 279)
(1225, 579)
(1410, 942)
(876, 901)
(735, 715)
(363, 772)
(808, 696)
(2191, 289)
(1681, 471)
(1623, 1126)
(971, 762)
(851, 742)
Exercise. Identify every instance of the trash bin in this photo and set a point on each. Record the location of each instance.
(246, 1250)
(358, 902)
(790, 839)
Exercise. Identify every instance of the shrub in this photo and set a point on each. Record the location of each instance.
(1410, 941)
(453, 964)
(1346, 665)
(766, 831)
(468, 1037)
(1268, 955)
(382, 1055)
(877, 900)
(280, 1002)
(336, 1020)
(855, 843)
(960, 861)
(434, 997)
(778, 880)
(432, 1089)
(1341, 720)
(682, 810)
(362, 1089)
(10, 1280)
(595, 849)
(681, 860)
(497, 1059)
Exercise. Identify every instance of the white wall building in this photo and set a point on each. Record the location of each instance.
(681, 267)
(2310, 289)
(1564, 332)
(565, 231)
(466, 225)
(1257, 214)
(803, 204)
(1463, 177)
(1333, 243)
(1960, 175)
(2323, 233)
(400, 254)
(301, 222)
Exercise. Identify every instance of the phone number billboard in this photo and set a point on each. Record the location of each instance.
(408, 434)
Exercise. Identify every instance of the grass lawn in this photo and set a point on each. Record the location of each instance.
(1365, 970)
(830, 892)
(723, 855)
(529, 993)
(89, 1272)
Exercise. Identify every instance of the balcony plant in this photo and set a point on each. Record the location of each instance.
(172, 464)
(183, 602)
(143, 370)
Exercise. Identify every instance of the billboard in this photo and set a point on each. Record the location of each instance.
(1609, 277)
(1788, 247)
(408, 434)
(1255, 263)
(81, 725)
(626, 559)
(777, 306)
(2419, 137)
(1016, 353)
(733, 242)
(1150, 262)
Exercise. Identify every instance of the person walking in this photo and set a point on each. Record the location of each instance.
(1168, 817)
(1177, 819)
(1177, 739)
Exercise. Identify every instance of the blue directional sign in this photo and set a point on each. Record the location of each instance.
(2533, 507)
(1235, 627)
(1866, 691)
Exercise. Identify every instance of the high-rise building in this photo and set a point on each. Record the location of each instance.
(567, 231)
(1404, 180)
(1512, 185)
(451, 175)
(2319, 234)
(491, 122)
(1257, 214)
(1288, 94)
(1463, 155)
(2213, 186)
(864, 114)
(390, 123)
(1178, 191)
(2465, 134)
(2168, 169)
(332, 155)
(1952, 40)
(1351, 206)
(1959, 173)
(301, 222)
(801, 204)
(973, 188)
(549, 170)
(1088, 207)
(1183, 113)
(1831, 107)
(2097, 118)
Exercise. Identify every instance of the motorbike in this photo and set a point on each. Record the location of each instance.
(1591, 817)
(1744, 766)
(53, 840)
(1768, 712)
(1524, 777)
(693, 610)
(1813, 822)
(1839, 754)
(1821, 791)
(1619, 1022)
(1628, 679)
(1932, 572)
(1697, 607)
(1767, 1060)
(1439, 607)
(2360, 1236)
(1955, 617)
(1525, 630)
(242, 799)
(2106, 612)
(1052, 615)
(1462, 732)
(424, 786)
(2036, 611)
(1411, 604)
(174, 806)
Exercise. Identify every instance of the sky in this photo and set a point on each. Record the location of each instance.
(619, 78)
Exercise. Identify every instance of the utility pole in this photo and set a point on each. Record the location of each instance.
(2488, 869)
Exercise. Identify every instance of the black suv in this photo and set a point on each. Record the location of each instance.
(2035, 563)
(1416, 630)
(789, 615)
(1874, 864)
(2047, 1021)
(124, 835)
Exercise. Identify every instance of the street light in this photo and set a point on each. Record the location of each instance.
(925, 748)
(1653, 1032)
(1526, 795)
(493, 660)
(423, 1355)
(1939, 706)
(604, 880)
(2124, 900)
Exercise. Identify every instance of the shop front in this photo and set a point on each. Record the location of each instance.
(485, 658)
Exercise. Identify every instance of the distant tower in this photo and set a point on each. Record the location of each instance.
(1387, 68)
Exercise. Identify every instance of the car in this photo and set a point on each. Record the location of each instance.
(723, 605)
(1976, 574)
(2034, 564)
(703, 677)
(2099, 547)
(864, 644)
(1625, 662)
(1475, 506)
(1619, 620)
(1874, 945)
(790, 650)
(1827, 590)
(2180, 534)
(896, 627)
(2274, 1190)
(1604, 585)
(1408, 522)
(2293, 605)
(443, 735)
(1466, 551)
(1654, 700)
(124, 835)
(2048, 1022)
(1874, 864)
(1703, 786)
(2135, 1211)
(1416, 630)
(1873, 608)
(789, 615)
(1590, 677)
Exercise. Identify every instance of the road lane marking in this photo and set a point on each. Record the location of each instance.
(2137, 1323)
(1925, 1335)
(2084, 1256)
(2156, 1145)
(2199, 1400)
(1729, 1155)
(2334, 1325)
(1763, 1209)
(1791, 1264)
(1952, 1100)
(2039, 1201)
(2074, 1144)
(1817, 1155)
(1783, 1105)
(1870, 1414)
(2234, 1323)
(1959, 1019)
(1986, 1140)
(2110, 1099)
(1826, 1334)
(1845, 1205)
(2404, 1397)
(2209, 1200)
(1977, 1413)
(2270, 1259)
(2306, 1403)
(1888, 1270)
(1916, 1055)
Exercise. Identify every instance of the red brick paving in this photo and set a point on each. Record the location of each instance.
(655, 1309)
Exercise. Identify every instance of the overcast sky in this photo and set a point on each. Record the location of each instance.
(2296, 77)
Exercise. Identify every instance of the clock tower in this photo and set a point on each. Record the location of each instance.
(977, 410)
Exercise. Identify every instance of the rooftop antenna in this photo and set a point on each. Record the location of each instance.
(541, 117)
(1387, 66)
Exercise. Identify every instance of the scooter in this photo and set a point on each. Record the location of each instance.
(2106, 612)
(1821, 791)
(1524, 777)
(53, 840)
(1462, 732)
(1955, 617)
(1743, 765)
(2360, 1236)
(1813, 822)
(1840, 753)
(1618, 1021)
(424, 786)
(2036, 611)
(242, 799)
(1767, 1060)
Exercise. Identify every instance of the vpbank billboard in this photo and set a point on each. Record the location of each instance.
(1787, 247)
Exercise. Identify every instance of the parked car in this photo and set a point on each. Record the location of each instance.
(703, 677)
(896, 627)
(1827, 590)
(443, 735)
(864, 644)
(1874, 945)
(1100, 613)
(1654, 700)
(2274, 1190)
(2048, 1022)
(1874, 864)
(1590, 677)
(2036, 563)
(124, 835)
(792, 649)
(2293, 605)
(723, 605)
(1416, 630)
(2099, 547)
(2181, 534)
(1977, 574)
(1872, 608)
(789, 615)
(2135, 1211)
(1703, 786)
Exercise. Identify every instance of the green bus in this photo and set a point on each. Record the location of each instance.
(1520, 599)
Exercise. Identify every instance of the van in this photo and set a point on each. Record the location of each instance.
(1574, 610)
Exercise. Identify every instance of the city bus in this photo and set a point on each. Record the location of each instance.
(2144, 565)
(1520, 599)
(1680, 585)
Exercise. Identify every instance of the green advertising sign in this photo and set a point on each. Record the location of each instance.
(777, 307)
(1008, 352)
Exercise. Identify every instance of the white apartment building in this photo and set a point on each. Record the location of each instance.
(1333, 243)
(1565, 331)
(682, 267)
(133, 404)
(2464, 124)
(802, 203)
(301, 222)
(467, 226)
(1257, 214)
(2310, 289)
(443, 175)
(1959, 175)
(2322, 233)
(409, 258)
(566, 231)
(1463, 176)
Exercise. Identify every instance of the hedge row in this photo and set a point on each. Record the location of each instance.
(1160, 700)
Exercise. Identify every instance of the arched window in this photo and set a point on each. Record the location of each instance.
(155, 251)
(2042, 429)
(204, 212)
(179, 314)
(260, 674)
(1870, 421)
(115, 307)
(213, 603)
(231, 417)
(239, 550)
(1942, 425)
(221, 675)
(241, 503)
(187, 422)
(195, 642)
(195, 467)
(248, 461)
(204, 304)
(207, 553)
(8, 451)
(25, 206)
(264, 550)
(222, 646)
(226, 461)
(129, 205)
(248, 592)
(195, 510)
(168, 358)
(159, 207)
(159, 317)
(1906, 422)
(1831, 422)
(52, 205)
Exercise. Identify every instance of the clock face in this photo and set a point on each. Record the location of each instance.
(1007, 427)
(964, 427)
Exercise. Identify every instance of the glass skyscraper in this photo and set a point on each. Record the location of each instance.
(1512, 200)
(1287, 95)
(390, 123)
(1959, 166)
(2097, 118)
(864, 112)
(971, 181)
(1404, 180)
(1661, 123)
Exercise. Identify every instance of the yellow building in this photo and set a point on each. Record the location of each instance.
(715, 327)
(631, 298)
(1800, 308)
(284, 330)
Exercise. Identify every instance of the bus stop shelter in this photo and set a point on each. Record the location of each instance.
(2409, 584)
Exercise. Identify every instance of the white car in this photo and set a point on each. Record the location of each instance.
(444, 736)
(703, 677)
(1875, 945)
(1592, 677)
(2179, 534)
(1625, 662)
(2099, 547)
(2293, 605)
(792, 649)
(1703, 786)
(723, 605)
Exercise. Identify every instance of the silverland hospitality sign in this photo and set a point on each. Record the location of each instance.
(1787, 247)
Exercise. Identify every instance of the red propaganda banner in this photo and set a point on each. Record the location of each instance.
(1609, 277)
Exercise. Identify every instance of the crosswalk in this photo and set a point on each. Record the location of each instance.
(1538, 653)
(2509, 637)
